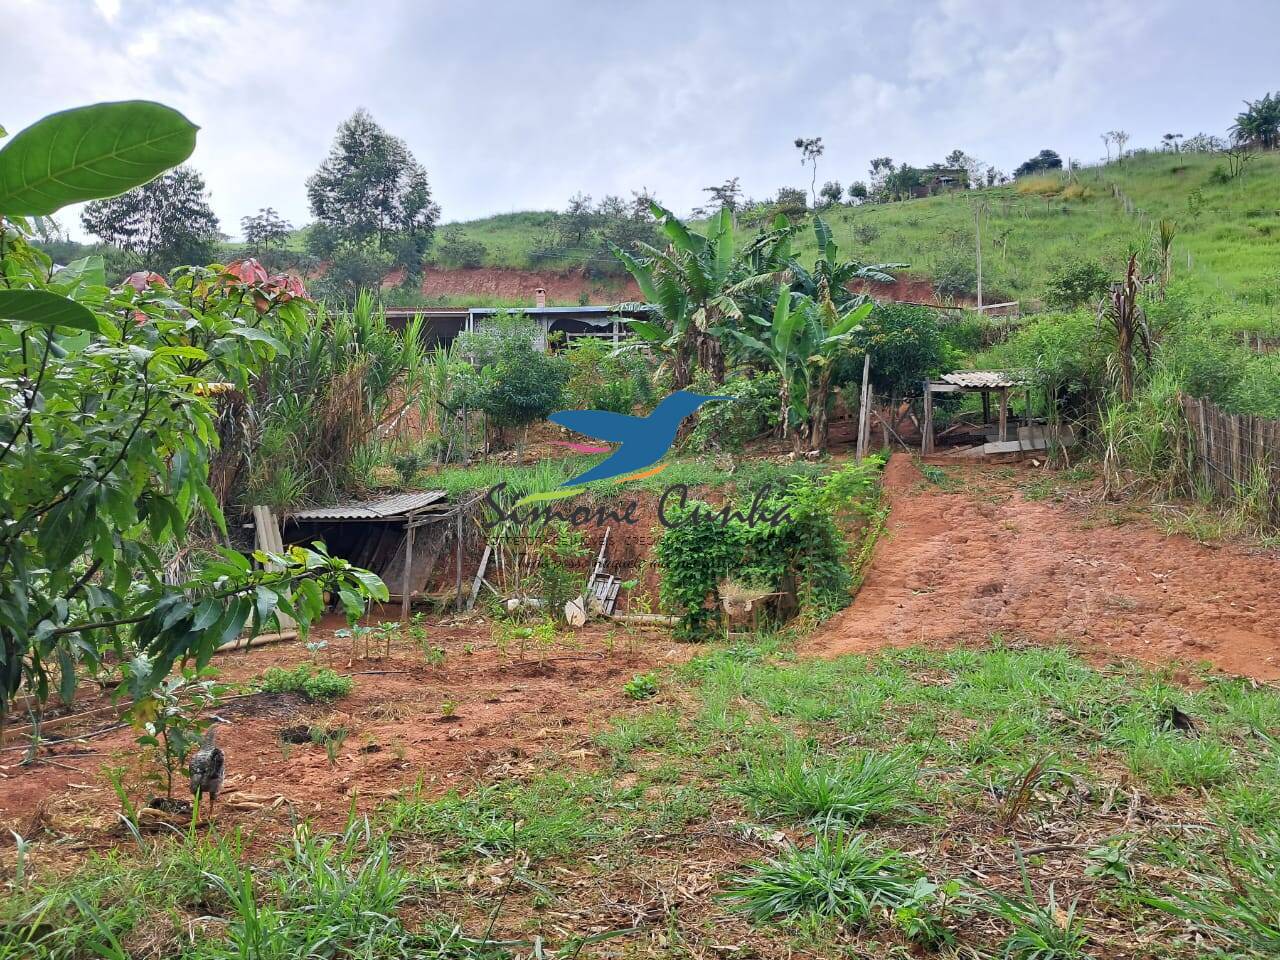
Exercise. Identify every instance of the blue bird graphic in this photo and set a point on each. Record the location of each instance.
(643, 440)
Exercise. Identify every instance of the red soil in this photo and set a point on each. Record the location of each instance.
(958, 566)
(562, 287)
(908, 288)
(507, 714)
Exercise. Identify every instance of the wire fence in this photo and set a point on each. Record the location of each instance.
(1236, 455)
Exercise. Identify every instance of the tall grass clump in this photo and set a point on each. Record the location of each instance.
(1146, 441)
(842, 877)
(339, 384)
(825, 792)
(1237, 905)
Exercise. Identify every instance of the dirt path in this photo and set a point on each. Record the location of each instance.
(965, 560)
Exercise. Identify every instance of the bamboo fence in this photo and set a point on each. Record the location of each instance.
(1233, 452)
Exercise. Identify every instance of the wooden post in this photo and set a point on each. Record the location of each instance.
(457, 554)
(405, 588)
(1004, 414)
(977, 244)
(863, 403)
(475, 584)
(926, 430)
(986, 407)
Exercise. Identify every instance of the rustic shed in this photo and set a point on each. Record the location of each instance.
(381, 534)
(985, 382)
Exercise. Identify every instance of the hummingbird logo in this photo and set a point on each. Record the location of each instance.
(643, 441)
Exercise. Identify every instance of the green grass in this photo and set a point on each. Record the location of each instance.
(811, 789)
(746, 476)
(725, 811)
(1233, 237)
(842, 877)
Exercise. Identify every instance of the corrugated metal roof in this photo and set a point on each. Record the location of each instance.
(555, 311)
(983, 378)
(383, 508)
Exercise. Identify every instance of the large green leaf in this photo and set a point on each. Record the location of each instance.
(642, 274)
(648, 331)
(90, 152)
(47, 309)
(822, 233)
(852, 319)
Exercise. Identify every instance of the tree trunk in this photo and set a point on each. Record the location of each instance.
(1124, 345)
(711, 357)
(819, 422)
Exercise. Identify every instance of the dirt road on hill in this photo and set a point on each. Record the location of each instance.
(974, 556)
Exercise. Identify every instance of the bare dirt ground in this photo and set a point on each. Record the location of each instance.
(509, 283)
(507, 713)
(962, 560)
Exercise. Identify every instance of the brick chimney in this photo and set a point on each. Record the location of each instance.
(540, 297)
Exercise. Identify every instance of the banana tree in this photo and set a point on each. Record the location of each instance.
(830, 276)
(803, 341)
(699, 287)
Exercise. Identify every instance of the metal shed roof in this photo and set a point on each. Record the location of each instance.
(382, 508)
(983, 379)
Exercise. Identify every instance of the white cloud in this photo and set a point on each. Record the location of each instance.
(514, 105)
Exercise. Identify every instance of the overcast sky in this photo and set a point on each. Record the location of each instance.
(517, 104)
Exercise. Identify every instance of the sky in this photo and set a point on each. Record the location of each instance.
(519, 104)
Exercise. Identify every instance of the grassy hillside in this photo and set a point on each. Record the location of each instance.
(1231, 230)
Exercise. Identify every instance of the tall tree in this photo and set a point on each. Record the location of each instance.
(163, 223)
(1044, 160)
(265, 230)
(726, 196)
(811, 149)
(1119, 138)
(1258, 125)
(370, 193)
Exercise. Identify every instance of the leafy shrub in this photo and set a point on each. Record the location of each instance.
(643, 686)
(730, 426)
(517, 383)
(955, 276)
(1076, 285)
(804, 552)
(695, 553)
(1061, 352)
(456, 249)
(906, 346)
(600, 379)
(322, 684)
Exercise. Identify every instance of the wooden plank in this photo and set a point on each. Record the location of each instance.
(926, 430)
(267, 537)
(406, 588)
(862, 406)
(475, 584)
(457, 555)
